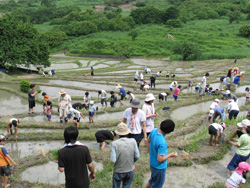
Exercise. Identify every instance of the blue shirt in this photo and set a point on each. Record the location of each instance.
(158, 145)
(219, 109)
(123, 92)
(92, 108)
(236, 80)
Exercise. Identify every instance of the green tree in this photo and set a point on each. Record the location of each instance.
(187, 50)
(171, 13)
(245, 30)
(48, 3)
(20, 44)
(53, 37)
(95, 45)
(24, 86)
(234, 16)
(122, 49)
(133, 33)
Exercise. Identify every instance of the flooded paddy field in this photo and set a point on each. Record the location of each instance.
(190, 115)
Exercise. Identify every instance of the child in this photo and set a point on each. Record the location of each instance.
(176, 92)
(45, 98)
(103, 97)
(131, 96)
(48, 110)
(190, 85)
(197, 87)
(163, 96)
(5, 163)
(13, 122)
(92, 111)
(247, 94)
(113, 99)
(215, 130)
(209, 92)
(210, 115)
(77, 116)
(238, 178)
(172, 86)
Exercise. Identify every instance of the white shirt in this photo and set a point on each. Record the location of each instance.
(236, 179)
(158, 74)
(172, 85)
(12, 119)
(247, 94)
(140, 117)
(141, 76)
(87, 99)
(218, 127)
(204, 82)
(214, 104)
(136, 75)
(150, 122)
(164, 94)
(233, 106)
(103, 94)
(76, 113)
(64, 100)
(132, 96)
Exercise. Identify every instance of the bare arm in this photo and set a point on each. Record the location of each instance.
(33, 94)
(92, 171)
(144, 131)
(161, 158)
(13, 162)
(82, 115)
(148, 145)
(124, 120)
(233, 143)
(61, 169)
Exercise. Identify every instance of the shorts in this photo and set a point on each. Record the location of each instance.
(77, 119)
(236, 160)
(99, 138)
(135, 79)
(161, 97)
(92, 74)
(202, 91)
(228, 185)
(5, 170)
(49, 116)
(212, 130)
(137, 137)
(122, 97)
(175, 97)
(171, 89)
(157, 178)
(91, 114)
(104, 100)
(32, 104)
(13, 123)
(209, 118)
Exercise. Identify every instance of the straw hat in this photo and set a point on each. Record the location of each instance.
(118, 86)
(122, 129)
(236, 68)
(149, 97)
(62, 92)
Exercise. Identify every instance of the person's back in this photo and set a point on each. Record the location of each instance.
(158, 145)
(74, 159)
(125, 152)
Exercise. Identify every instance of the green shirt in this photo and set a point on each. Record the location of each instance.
(244, 143)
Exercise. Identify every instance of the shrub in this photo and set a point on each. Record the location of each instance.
(140, 4)
(174, 22)
(187, 50)
(133, 33)
(24, 86)
(245, 30)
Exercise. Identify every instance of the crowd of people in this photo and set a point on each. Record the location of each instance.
(138, 123)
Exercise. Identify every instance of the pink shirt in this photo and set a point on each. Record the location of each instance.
(176, 91)
(48, 110)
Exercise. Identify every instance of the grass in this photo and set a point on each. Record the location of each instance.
(82, 4)
(217, 39)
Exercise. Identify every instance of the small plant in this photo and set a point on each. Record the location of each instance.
(39, 91)
(24, 86)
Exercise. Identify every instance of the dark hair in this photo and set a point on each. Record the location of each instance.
(248, 130)
(112, 92)
(43, 93)
(167, 126)
(32, 85)
(148, 102)
(179, 86)
(160, 71)
(70, 135)
(86, 93)
(49, 103)
(207, 74)
(128, 92)
(244, 174)
(99, 92)
(211, 88)
(247, 89)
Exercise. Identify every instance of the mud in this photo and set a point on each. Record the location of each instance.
(149, 62)
(49, 173)
(12, 104)
(62, 66)
(188, 111)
